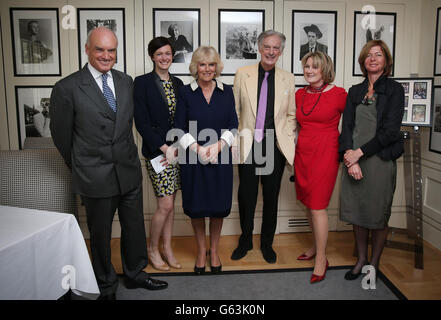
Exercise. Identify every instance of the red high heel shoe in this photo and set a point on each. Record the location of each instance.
(304, 257)
(315, 278)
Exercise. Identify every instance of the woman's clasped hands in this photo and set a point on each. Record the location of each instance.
(209, 154)
(350, 159)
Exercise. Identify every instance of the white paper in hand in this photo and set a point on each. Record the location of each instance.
(157, 164)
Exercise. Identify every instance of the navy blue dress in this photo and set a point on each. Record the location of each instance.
(207, 189)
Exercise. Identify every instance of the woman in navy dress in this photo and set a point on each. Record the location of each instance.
(206, 114)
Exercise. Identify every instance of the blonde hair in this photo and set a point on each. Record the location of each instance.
(365, 52)
(207, 54)
(323, 62)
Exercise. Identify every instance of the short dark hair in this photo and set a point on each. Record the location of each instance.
(31, 22)
(157, 43)
(171, 29)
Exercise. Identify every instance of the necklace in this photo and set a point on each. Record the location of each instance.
(368, 100)
(314, 90)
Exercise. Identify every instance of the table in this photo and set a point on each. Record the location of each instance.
(42, 255)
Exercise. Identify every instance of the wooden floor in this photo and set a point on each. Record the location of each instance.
(397, 265)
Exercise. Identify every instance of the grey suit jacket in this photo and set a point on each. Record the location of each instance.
(96, 143)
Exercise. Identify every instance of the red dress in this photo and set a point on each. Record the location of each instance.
(316, 159)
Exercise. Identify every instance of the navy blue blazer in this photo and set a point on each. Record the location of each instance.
(388, 141)
(151, 112)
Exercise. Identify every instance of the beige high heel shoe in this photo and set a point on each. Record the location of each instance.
(175, 264)
(163, 267)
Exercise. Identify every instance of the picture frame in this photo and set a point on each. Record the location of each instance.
(373, 26)
(238, 31)
(33, 103)
(311, 27)
(418, 101)
(182, 28)
(114, 19)
(35, 42)
(437, 54)
(435, 130)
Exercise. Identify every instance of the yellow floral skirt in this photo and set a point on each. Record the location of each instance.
(165, 183)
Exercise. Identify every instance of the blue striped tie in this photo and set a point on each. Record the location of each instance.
(108, 94)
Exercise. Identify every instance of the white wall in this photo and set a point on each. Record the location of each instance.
(415, 34)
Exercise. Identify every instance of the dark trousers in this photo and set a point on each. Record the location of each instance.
(100, 213)
(247, 198)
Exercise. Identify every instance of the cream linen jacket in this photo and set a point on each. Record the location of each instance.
(245, 94)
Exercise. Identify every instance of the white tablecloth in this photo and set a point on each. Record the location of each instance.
(42, 255)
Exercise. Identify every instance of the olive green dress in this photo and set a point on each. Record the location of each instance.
(367, 202)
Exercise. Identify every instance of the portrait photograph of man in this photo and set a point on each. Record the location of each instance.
(314, 34)
(312, 31)
(36, 42)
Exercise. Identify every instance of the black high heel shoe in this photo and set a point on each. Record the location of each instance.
(352, 276)
(214, 269)
(200, 270)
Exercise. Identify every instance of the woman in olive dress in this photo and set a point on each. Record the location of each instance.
(370, 143)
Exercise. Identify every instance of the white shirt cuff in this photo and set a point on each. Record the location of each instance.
(186, 141)
(228, 137)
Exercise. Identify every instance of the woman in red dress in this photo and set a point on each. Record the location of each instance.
(319, 107)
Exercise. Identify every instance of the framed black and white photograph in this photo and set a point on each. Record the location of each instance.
(373, 26)
(113, 19)
(33, 103)
(238, 32)
(435, 131)
(418, 101)
(437, 55)
(312, 31)
(36, 42)
(182, 28)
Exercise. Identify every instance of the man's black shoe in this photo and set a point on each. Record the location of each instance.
(269, 254)
(240, 252)
(149, 284)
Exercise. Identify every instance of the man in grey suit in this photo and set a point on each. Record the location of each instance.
(91, 125)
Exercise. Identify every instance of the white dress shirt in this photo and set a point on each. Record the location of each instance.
(99, 80)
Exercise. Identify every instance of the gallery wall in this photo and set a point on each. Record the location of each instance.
(430, 160)
(414, 31)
